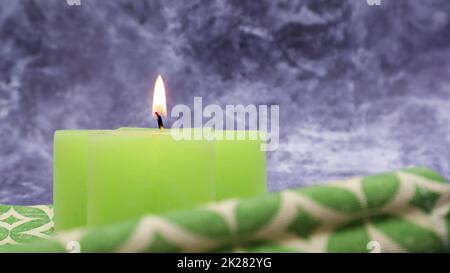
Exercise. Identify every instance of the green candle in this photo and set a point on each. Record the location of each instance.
(102, 177)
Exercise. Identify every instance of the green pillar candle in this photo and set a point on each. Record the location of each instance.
(120, 165)
(137, 172)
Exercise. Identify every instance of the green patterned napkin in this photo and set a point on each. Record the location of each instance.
(20, 224)
(406, 211)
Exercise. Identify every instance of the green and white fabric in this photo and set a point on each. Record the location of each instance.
(20, 224)
(405, 211)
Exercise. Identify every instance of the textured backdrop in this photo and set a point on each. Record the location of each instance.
(361, 88)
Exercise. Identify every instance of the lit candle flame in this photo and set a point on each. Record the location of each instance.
(159, 98)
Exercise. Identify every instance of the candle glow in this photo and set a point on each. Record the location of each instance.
(159, 98)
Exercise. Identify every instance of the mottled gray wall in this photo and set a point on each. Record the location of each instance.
(361, 89)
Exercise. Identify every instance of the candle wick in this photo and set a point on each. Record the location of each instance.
(160, 122)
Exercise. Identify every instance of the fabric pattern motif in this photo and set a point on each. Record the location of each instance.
(22, 224)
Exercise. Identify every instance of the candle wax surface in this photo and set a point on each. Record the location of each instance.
(106, 176)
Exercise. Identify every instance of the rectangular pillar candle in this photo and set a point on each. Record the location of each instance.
(238, 166)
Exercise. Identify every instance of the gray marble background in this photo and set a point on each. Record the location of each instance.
(361, 89)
